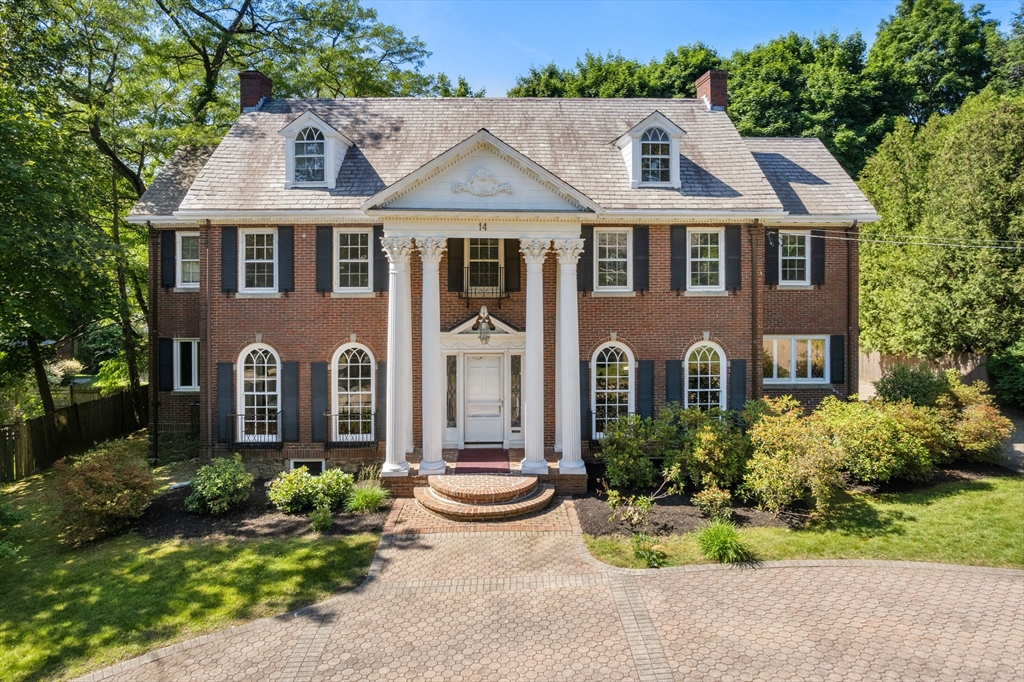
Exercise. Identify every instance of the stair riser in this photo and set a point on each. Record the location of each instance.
(482, 490)
(488, 512)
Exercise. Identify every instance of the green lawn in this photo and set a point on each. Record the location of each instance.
(979, 523)
(64, 612)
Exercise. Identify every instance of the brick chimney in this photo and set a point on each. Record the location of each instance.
(253, 88)
(712, 89)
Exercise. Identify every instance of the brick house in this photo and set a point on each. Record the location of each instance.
(396, 280)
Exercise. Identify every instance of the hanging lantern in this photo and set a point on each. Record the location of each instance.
(484, 329)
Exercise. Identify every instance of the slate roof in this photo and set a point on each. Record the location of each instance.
(165, 193)
(572, 138)
(806, 177)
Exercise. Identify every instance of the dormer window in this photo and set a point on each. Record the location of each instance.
(655, 156)
(309, 156)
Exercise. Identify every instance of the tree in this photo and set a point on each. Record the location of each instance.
(443, 87)
(955, 188)
(931, 55)
(1008, 73)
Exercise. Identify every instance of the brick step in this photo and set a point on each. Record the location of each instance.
(537, 499)
(482, 488)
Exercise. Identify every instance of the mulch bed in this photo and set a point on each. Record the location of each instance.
(166, 519)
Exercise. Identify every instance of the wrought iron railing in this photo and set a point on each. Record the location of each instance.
(351, 428)
(258, 428)
(483, 284)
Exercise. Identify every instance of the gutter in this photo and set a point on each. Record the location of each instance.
(209, 349)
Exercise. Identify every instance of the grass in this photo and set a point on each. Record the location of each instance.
(65, 612)
(976, 523)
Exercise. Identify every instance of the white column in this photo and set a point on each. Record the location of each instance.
(432, 375)
(558, 368)
(569, 251)
(534, 252)
(397, 250)
(407, 359)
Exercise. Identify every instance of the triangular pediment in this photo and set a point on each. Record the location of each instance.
(482, 173)
(499, 326)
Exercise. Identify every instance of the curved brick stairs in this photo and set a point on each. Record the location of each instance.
(483, 497)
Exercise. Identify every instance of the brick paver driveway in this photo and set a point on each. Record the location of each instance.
(523, 601)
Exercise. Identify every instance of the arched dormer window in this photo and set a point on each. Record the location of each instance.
(612, 389)
(310, 156)
(655, 156)
(352, 394)
(259, 395)
(704, 377)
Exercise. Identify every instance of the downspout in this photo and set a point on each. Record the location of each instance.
(154, 386)
(851, 234)
(755, 393)
(209, 348)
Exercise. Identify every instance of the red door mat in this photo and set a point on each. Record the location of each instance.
(482, 461)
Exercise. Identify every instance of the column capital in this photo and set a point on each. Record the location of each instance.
(568, 250)
(430, 248)
(534, 250)
(397, 249)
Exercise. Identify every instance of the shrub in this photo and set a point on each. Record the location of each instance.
(8, 517)
(100, 493)
(219, 487)
(297, 490)
(369, 472)
(960, 395)
(874, 447)
(646, 550)
(635, 510)
(714, 503)
(980, 431)
(367, 499)
(623, 448)
(716, 452)
(932, 426)
(720, 541)
(1007, 371)
(793, 459)
(919, 385)
(331, 488)
(321, 519)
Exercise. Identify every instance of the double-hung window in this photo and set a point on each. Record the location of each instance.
(795, 359)
(353, 261)
(483, 265)
(704, 260)
(186, 364)
(794, 258)
(188, 260)
(259, 261)
(614, 254)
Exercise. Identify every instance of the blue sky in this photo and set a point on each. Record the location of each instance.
(493, 42)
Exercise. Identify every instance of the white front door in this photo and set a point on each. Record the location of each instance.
(485, 421)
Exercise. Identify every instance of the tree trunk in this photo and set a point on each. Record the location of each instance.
(123, 311)
(40, 371)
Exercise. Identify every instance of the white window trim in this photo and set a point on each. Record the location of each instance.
(501, 261)
(177, 257)
(723, 399)
(334, 388)
(240, 392)
(194, 387)
(292, 462)
(629, 258)
(327, 166)
(241, 261)
(721, 258)
(793, 338)
(368, 289)
(673, 153)
(593, 383)
(806, 281)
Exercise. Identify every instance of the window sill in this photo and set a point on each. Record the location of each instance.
(705, 293)
(258, 294)
(795, 287)
(795, 384)
(612, 294)
(186, 290)
(306, 185)
(186, 391)
(353, 294)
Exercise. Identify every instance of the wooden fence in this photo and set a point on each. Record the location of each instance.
(873, 366)
(37, 443)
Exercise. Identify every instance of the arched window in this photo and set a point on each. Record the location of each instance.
(612, 385)
(655, 157)
(309, 156)
(259, 412)
(353, 394)
(704, 378)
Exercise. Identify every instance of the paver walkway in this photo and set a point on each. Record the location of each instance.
(524, 601)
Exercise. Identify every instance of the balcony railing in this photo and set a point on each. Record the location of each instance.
(483, 284)
(351, 428)
(257, 429)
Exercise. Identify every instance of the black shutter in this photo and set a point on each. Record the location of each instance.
(678, 248)
(771, 257)
(817, 257)
(733, 258)
(225, 400)
(586, 416)
(837, 358)
(165, 363)
(168, 253)
(382, 401)
(456, 263)
(737, 384)
(229, 259)
(585, 265)
(318, 390)
(325, 258)
(380, 260)
(674, 381)
(290, 401)
(511, 265)
(286, 258)
(641, 258)
(645, 388)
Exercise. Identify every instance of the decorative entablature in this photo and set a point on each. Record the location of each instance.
(309, 129)
(654, 131)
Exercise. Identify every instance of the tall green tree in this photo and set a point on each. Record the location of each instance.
(1008, 72)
